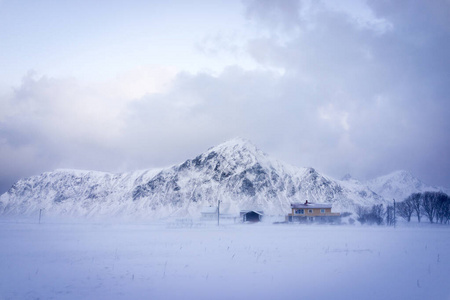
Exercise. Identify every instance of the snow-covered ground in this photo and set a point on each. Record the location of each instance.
(184, 260)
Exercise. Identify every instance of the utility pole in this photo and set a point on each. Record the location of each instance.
(218, 211)
(40, 214)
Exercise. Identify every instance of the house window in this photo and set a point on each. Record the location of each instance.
(300, 211)
(322, 211)
(310, 211)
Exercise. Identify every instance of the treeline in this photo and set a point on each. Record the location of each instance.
(435, 206)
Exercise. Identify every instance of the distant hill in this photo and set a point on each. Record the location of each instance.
(398, 185)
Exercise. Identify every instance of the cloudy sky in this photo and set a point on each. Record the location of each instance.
(359, 87)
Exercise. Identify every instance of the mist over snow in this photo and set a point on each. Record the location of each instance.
(357, 87)
(233, 261)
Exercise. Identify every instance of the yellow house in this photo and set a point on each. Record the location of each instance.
(311, 211)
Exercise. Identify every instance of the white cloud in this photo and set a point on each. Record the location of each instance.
(334, 116)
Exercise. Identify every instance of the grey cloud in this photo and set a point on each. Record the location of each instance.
(50, 123)
(392, 85)
(202, 110)
(284, 15)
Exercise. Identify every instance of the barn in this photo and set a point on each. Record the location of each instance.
(209, 213)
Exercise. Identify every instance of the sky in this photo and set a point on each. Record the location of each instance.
(358, 87)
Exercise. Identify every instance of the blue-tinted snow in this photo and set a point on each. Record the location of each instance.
(185, 260)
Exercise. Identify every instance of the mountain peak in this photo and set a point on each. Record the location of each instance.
(398, 184)
(237, 143)
(399, 176)
(239, 149)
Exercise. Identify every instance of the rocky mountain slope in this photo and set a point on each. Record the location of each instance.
(235, 172)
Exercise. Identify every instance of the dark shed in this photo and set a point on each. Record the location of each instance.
(251, 215)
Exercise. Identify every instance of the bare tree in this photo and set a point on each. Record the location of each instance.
(443, 208)
(416, 200)
(406, 208)
(430, 205)
(361, 212)
(371, 216)
(377, 214)
(390, 215)
(434, 205)
(446, 211)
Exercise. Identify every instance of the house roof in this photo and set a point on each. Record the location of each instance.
(225, 208)
(259, 212)
(310, 205)
(209, 210)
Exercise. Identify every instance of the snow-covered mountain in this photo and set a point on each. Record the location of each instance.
(235, 172)
(398, 185)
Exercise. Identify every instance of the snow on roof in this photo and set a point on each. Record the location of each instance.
(310, 205)
(259, 212)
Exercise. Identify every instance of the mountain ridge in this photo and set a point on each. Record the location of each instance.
(235, 172)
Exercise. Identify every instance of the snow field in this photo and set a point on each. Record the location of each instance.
(233, 261)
